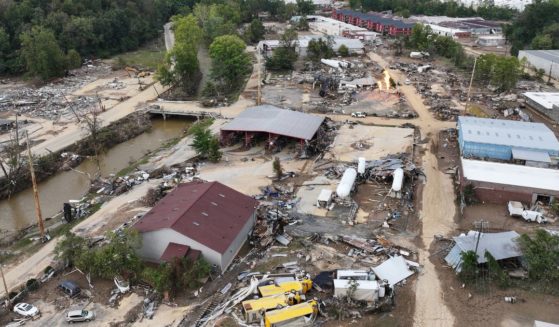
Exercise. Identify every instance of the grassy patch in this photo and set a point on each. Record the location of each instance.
(22, 243)
(148, 57)
(476, 110)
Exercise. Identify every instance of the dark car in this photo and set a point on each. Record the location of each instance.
(69, 287)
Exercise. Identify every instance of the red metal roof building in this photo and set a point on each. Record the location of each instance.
(373, 21)
(208, 217)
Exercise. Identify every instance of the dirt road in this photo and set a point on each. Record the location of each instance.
(437, 212)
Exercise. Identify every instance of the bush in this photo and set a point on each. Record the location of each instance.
(32, 285)
(343, 51)
(73, 59)
(469, 270)
(206, 144)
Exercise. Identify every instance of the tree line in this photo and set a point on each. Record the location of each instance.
(46, 37)
(537, 27)
(406, 8)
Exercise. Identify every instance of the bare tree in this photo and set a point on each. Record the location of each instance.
(11, 163)
(93, 126)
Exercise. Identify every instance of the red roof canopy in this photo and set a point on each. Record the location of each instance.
(210, 213)
(174, 250)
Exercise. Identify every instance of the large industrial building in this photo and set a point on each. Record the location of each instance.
(333, 27)
(496, 182)
(272, 122)
(531, 143)
(547, 60)
(207, 218)
(547, 103)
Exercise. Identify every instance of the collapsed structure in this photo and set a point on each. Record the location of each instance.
(209, 217)
(500, 245)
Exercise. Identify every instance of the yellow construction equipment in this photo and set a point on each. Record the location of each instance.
(254, 309)
(298, 315)
(301, 286)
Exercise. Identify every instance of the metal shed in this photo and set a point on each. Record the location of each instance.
(496, 139)
(548, 60)
(500, 245)
(274, 121)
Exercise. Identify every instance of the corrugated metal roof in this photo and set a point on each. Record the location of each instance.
(507, 132)
(394, 270)
(271, 119)
(531, 155)
(210, 213)
(551, 55)
(500, 245)
(508, 174)
(338, 41)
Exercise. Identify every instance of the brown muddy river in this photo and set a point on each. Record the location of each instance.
(19, 211)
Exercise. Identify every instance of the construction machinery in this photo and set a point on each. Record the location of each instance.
(300, 286)
(253, 310)
(302, 314)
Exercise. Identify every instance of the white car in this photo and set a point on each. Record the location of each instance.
(80, 315)
(26, 309)
(358, 114)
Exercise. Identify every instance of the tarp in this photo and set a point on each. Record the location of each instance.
(394, 270)
(530, 155)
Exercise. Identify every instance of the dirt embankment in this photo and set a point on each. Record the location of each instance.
(46, 166)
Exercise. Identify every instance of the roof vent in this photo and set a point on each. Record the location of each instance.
(213, 203)
(196, 223)
(221, 195)
(205, 214)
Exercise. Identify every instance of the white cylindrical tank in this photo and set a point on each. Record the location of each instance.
(346, 183)
(398, 180)
(361, 165)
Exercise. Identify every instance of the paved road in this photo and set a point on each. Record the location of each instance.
(169, 36)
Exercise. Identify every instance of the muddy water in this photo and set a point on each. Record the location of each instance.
(19, 211)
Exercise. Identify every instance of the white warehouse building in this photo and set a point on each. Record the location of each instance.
(548, 60)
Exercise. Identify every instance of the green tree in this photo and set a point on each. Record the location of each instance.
(469, 271)
(305, 7)
(355, 4)
(541, 252)
(206, 144)
(320, 49)
(255, 31)
(303, 24)
(421, 37)
(4, 50)
(285, 55)
(70, 248)
(230, 62)
(542, 42)
(343, 51)
(73, 59)
(41, 53)
(181, 67)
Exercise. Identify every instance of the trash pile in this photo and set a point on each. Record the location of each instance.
(53, 101)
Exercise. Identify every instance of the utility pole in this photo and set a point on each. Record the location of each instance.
(549, 76)
(470, 87)
(480, 225)
(5, 288)
(258, 95)
(35, 191)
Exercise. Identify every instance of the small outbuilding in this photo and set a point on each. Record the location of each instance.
(197, 218)
(501, 246)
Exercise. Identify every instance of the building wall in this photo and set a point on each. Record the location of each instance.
(236, 245)
(500, 194)
(154, 244)
(541, 63)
